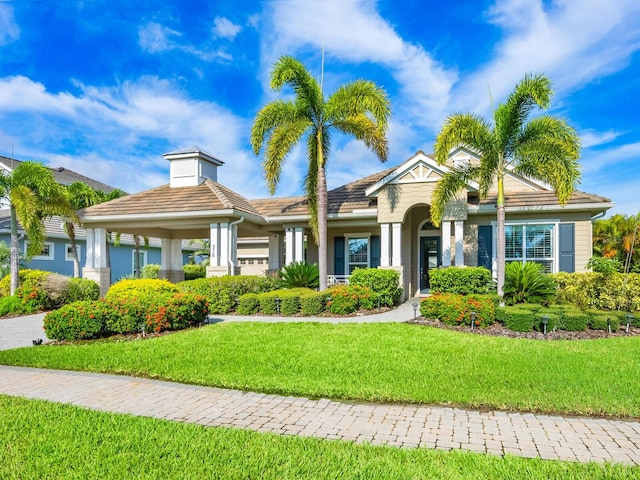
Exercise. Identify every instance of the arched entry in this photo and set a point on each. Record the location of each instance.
(429, 254)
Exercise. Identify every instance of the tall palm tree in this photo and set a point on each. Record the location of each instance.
(80, 196)
(33, 194)
(544, 148)
(360, 109)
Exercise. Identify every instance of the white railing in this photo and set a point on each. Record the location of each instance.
(337, 280)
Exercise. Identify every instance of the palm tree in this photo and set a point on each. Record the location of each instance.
(33, 194)
(360, 109)
(544, 148)
(81, 196)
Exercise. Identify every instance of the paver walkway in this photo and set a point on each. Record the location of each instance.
(528, 435)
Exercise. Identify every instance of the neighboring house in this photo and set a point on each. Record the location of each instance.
(56, 253)
(382, 220)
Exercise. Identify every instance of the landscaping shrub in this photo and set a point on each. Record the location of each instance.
(182, 310)
(11, 305)
(455, 309)
(290, 303)
(25, 277)
(601, 322)
(300, 274)
(141, 287)
(268, 303)
(553, 320)
(129, 310)
(192, 272)
(313, 303)
(82, 289)
(150, 270)
(222, 293)
(516, 319)
(248, 304)
(527, 283)
(598, 291)
(385, 283)
(56, 290)
(347, 299)
(574, 322)
(461, 280)
(77, 321)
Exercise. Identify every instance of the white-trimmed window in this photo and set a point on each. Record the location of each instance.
(68, 253)
(142, 257)
(45, 254)
(531, 243)
(357, 253)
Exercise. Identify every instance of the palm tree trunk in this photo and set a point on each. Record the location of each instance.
(136, 261)
(14, 263)
(500, 240)
(74, 249)
(322, 217)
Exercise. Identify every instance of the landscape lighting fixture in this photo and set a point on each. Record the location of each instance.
(473, 319)
(415, 310)
(545, 322)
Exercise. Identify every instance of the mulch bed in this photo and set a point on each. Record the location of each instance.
(498, 330)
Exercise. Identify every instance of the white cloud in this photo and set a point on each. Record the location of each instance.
(156, 38)
(573, 41)
(225, 28)
(9, 30)
(591, 138)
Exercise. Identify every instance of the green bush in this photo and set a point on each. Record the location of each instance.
(598, 291)
(347, 299)
(290, 303)
(313, 303)
(300, 275)
(222, 293)
(553, 320)
(191, 272)
(601, 322)
(181, 310)
(385, 283)
(455, 309)
(248, 304)
(141, 287)
(11, 305)
(527, 283)
(516, 319)
(150, 270)
(461, 280)
(26, 277)
(574, 322)
(77, 321)
(268, 303)
(82, 289)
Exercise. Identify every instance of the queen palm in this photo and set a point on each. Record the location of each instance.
(33, 194)
(81, 196)
(543, 148)
(360, 109)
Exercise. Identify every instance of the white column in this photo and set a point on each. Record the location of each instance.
(446, 244)
(298, 253)
(396, 244)
(90, 261)
(385, 244)
(224, 244)
(289, 247)
(459, 232)
(275, 252)
(171, 254)
(99, 248)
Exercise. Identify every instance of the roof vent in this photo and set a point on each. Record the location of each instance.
(191, 166)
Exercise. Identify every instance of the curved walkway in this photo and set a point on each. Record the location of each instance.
(499, 433)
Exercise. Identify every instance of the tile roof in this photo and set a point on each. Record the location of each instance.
(537, 198)
(207, 196)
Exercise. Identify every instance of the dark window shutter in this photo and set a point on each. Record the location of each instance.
(338, 256)
(567, 247)
(485, 246)
(374, 244)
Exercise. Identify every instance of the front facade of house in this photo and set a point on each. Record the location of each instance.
(382, 220)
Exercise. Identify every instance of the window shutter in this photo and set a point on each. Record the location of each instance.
(567, 248)
(338, 256)
(374, 244)
(485, 245)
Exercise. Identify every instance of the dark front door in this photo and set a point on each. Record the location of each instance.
(429, 258)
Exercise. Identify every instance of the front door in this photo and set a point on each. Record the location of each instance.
(429, 258)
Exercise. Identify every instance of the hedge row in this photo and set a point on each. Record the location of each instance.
(599, 291)
(455, 309)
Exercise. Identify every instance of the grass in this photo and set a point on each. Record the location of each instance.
(375, 362)
(48, 440)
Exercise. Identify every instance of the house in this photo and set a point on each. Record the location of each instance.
(381, 220)
(56, 254)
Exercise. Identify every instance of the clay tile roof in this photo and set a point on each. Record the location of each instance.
(207, 196)
(343, 199)
(538, 198)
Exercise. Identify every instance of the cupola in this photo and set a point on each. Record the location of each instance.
(191, 166)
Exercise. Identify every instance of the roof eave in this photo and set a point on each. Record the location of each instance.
(590, 207)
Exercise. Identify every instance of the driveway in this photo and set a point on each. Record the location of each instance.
(21, 331)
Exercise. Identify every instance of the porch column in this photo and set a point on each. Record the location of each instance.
(171, 260)
(219, 254)
(446, 243)
(385, 243)
(298, 253)
(459, 233)
(396, 244)
(289, 247)
(275, 254)
(232, 249)
(96, 263)
(214, 245)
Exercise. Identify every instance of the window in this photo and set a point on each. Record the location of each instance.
(45, 254)
(68, 255)
(251, 261)
(142, 260)
(243, 261)
(530, 243)
(357, 253)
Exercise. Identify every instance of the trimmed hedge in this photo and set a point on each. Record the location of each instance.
(599, 291)
(313, 303)
(461, 280)
(192, 272)
(384, 282)
(455, 309)
(248, 304)
(347, 299)
(601, 322)
(82, 320)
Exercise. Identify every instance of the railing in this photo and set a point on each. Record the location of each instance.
(337, 280)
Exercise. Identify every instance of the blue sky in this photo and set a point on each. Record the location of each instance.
(106, 87)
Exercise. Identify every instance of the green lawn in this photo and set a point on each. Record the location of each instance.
(375, 362)
(47, 440)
